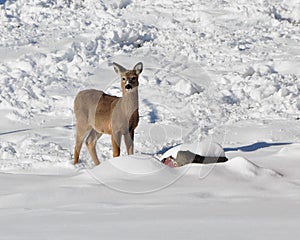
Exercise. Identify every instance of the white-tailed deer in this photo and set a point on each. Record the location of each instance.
(98, 113)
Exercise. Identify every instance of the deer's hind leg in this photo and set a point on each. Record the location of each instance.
(81, 133)
(91, 141)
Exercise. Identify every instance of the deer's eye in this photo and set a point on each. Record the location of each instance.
(123, 79)
(133, 78)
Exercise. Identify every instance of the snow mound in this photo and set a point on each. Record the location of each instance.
(292, 149)
(186, 87)
(136, 164)
(134, 174)
(204, 148)
(246, 168)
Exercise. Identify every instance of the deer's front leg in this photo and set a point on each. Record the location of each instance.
(129, 137)
(116, 141)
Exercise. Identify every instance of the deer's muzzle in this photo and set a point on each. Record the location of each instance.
(128, 86)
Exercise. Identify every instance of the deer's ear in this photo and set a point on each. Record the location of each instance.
(118, 68)
(138, 68)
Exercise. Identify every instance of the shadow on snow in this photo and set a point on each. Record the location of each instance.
(255, 146)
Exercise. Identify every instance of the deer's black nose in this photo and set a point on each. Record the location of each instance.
(128, 86)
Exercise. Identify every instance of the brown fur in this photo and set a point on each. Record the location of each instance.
(98, 113)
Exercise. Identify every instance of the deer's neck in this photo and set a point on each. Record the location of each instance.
(130, 102)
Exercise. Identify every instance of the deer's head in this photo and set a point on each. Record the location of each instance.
(129, 78)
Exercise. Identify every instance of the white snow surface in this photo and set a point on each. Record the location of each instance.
(220, 78)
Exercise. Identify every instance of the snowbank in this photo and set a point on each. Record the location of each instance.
(246, 168)
(134, 174)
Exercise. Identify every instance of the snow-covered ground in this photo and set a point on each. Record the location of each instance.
(223, 72)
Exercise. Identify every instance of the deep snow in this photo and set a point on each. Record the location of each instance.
(220, 77)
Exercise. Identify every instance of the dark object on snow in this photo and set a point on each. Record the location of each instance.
(185, 157)
(169, 161)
